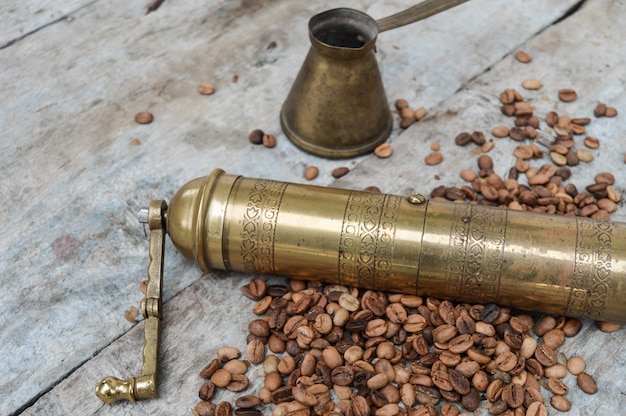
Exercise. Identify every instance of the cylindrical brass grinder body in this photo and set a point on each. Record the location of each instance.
(554, 264)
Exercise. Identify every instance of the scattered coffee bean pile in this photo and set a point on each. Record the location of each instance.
(336, 350)
(545, 189)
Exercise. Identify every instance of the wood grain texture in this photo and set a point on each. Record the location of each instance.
(73, 255)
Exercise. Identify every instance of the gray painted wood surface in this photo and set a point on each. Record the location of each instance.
(73, 254)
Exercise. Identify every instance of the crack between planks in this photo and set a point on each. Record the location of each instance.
(60, 380)
(568, 13)
(53, 22)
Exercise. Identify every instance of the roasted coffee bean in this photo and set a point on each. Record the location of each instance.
(536, 408)
(224, 409)
(459, 382)
(463, 139)
(556, 386)
(269, 140)
(586, 383)
(255, 351)
(247, 412)
(210, 368)
(383, 151)
(498, 407)
(545, 355)
(247, 401)
(256, 136)
(576, 365)
(428, 395)
(478, 137)
(434, 158)
(239, 382)
(282, 394)
(206, 391)
(489, 313)
(472, 400)
(560, 403)
(204, 409)
(255, 290)
(567, 95)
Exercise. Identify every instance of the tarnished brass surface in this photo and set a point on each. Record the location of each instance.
(337, 106)
(562, 265)
(111, 389)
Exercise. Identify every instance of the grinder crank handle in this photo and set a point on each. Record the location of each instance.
(111, 389)
(416, 13)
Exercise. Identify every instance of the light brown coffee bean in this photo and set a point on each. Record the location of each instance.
(255, 351)
(401, 104)
(584, 155)
(608, 327)
(449, 409)
(468, 175)
(560, 403)
(269, 140)
(434, 158)
(287, 365)
(203, 408)
(555, 371)
(239, 382)
(221, 378)
(576, 365)
(531, 84)
(144, 117)
(567, 95)
(259, 328)
(206, 88)
(383, 151)
(273, 381)
(420, 113)
(377, 381)
(554, 338)
(558, 158)
(523, 57)
(544, 325)
(500, 131)
(236, 366)
(523, 152)
(572, 327)
(556, 386)
(536, 409)
(591, 142)
(225, 354)
(610, 112)
(311, 172)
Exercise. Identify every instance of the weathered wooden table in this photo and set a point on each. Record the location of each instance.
(76, 168)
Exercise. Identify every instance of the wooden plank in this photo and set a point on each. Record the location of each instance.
(22, 18)
(73, 253)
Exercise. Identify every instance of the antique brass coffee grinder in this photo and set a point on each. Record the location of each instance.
(554, 264)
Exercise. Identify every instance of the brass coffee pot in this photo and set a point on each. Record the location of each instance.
(337, 106)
